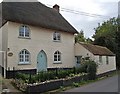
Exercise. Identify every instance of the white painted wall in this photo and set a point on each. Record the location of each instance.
(102, 67)
(3, 42)
(0, 46)
(41, 39)
(80, 50)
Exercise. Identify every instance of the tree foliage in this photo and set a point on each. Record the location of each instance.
(107, 35)
(81, 38)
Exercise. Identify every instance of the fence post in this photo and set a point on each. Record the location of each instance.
(30, 77)
(56, 72)
(74, 70)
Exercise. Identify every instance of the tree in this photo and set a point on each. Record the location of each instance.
(118, 43)
(106, 35)
(81, 38)
(88, 40)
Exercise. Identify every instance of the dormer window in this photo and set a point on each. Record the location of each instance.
(56, 36)
(24, 31)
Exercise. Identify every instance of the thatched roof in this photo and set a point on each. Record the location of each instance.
(97, 50)
(36, 14)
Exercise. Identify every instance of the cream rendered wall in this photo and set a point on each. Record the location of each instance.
(1, 46)
(41, 39)
(81, 51)
(3, 42)
(102, 67)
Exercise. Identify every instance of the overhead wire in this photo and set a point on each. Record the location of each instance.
(82, 13)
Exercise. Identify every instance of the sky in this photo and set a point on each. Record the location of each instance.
(107, 8)
(80, 11)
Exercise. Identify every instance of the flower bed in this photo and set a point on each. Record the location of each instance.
(50, 80)
(53, 84)
(47, 85)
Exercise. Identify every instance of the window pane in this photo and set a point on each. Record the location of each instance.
(26, 31)
(100, 59)
(107, 60)
(55, 57)
(78, 59)
(58, 36)
(59, 58)
(54, 36)
(21, 31)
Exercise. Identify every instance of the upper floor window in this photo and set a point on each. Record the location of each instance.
(57, 57)
(24, 31)
(24, 57)
(56, 36)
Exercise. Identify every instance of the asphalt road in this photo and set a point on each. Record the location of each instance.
(106, 85)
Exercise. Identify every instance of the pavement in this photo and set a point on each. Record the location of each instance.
(109, 85)
(7, 87)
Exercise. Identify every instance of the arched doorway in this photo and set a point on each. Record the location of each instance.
(41, 61)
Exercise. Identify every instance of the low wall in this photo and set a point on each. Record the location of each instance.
(52, 85)
(106, 73)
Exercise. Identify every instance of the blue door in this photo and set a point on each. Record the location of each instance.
(41, 61)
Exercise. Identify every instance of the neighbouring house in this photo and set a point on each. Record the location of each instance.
(35, 38)
(104, 58)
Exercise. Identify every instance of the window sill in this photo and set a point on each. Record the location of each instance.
(24, 37)
(59, 62)
(24, 63)
(57, 41)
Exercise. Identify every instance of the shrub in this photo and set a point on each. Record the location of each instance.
(22, 76)
(91, 70)
(42, 76)
(62, 73)
(90, 67)
(33, 79)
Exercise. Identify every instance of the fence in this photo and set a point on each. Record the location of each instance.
(12, 73)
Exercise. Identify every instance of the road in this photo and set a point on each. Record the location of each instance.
(106, 85)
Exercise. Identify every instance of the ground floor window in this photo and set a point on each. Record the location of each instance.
(100, 59)
(78, 59)
(57, 57)
(24, 57)
(107, 60)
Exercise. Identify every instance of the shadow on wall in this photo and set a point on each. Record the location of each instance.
(1, 70)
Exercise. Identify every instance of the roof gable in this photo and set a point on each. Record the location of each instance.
(36, 14)
(97, 50)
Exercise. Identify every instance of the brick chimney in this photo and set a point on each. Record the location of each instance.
(56, 7)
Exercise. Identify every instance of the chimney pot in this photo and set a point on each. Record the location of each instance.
(56, 7)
